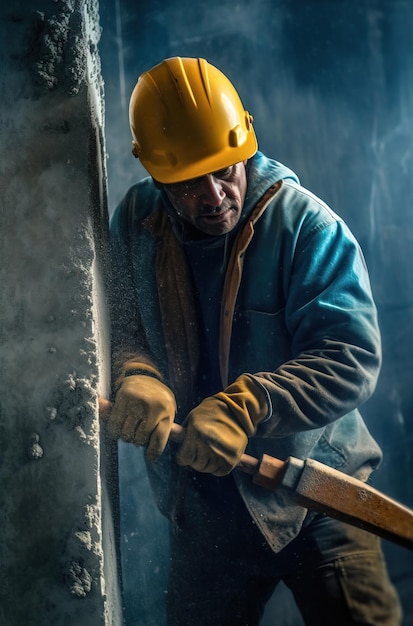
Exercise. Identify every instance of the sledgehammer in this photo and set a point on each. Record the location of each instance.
(321, 488)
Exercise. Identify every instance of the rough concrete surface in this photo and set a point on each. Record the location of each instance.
(57, 552)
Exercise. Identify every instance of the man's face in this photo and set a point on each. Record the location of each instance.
(211, 203)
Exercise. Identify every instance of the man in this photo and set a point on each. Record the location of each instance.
(241, 309)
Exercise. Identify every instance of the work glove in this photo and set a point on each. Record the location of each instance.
(144, 409)
(217, 430)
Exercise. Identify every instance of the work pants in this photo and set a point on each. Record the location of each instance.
(223, 572)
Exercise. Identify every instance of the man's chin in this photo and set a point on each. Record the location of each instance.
(218, 223)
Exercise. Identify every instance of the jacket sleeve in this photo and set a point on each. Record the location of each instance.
(127, 335)
(335, 341)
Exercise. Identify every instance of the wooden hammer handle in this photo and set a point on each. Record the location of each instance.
(324, 489)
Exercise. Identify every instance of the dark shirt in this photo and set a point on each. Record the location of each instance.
(208, 260)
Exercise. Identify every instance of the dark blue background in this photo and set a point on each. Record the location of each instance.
(330, 86)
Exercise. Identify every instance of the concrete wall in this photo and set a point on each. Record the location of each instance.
(57, 556)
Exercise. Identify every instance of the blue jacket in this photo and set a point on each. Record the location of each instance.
(297, 314)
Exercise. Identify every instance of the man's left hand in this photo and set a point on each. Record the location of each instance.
(217, 430)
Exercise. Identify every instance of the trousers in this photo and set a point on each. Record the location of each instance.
(223, 572)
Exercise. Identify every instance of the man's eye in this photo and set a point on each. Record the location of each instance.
(224, 174)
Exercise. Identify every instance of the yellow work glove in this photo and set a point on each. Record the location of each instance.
(217, 430)
(144, 409)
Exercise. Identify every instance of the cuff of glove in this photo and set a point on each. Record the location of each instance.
(249, 401)
(137, 368)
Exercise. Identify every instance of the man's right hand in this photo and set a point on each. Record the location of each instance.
(143, 413)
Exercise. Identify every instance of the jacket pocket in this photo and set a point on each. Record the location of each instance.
(348, 446)
(260, 341)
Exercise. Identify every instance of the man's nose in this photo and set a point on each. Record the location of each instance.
(212, 190)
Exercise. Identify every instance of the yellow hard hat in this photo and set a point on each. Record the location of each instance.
(187, 120)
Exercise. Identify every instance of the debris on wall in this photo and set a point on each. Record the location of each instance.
(57, 553)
